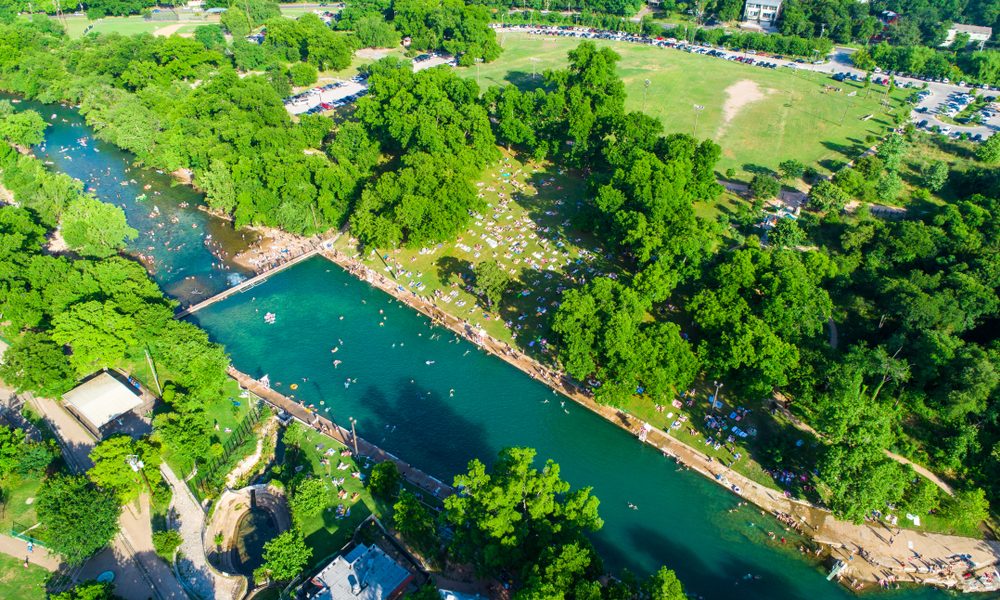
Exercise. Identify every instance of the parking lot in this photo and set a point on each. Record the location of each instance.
(340, 93)
(328, 97)
(937, 104)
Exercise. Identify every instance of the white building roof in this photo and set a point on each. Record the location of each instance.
(972, 29)
(101, 399)
(364, 573)
(774, 3)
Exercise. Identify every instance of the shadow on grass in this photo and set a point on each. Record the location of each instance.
(526, 81)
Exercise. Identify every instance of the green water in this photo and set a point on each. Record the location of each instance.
(255, 528)
(406, 405)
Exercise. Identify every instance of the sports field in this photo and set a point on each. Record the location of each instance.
(759, 116)
(76, 25)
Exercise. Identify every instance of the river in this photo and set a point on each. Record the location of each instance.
(434, 400)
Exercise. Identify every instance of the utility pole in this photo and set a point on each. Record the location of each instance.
(715, 398)
(645, 88)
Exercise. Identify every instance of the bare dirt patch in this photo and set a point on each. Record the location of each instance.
(169, 29)
(740, 94)
(372, 53)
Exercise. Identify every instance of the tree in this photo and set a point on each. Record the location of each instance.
(166, 543)
(35, 363)
(786, 234)
(415, 523)
(302, 74)
(79, 518)
(97, 333)
(935, 175)
(284, 557)
(507, 517)
(764, 186)
(24, 129)
(664, 585)
(491, 282)
(428, 592)
(889, 187)
(385, 479)
(309, 498)
(22, 456)
(967, 509)
(827, 196)
(87, 590)
(791, 169)
(113, 470)
(989, 151)
(95, 228)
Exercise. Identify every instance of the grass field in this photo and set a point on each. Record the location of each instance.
(16, 508)
(796, 118)
(75, 25)
(19, 582)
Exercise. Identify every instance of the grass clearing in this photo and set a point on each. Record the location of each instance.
(797, 117)
(320, 456)
(15, 491)
(527, 228)
(16, 581)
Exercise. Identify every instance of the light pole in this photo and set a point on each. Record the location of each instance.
(478, 62)
(645, 89)
(697, 112)
(715, 398)
(133, 461)
(354, 436)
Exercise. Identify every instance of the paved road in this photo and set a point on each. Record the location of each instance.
(138, 570)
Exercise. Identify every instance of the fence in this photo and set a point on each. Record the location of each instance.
(20, 532)
(204, 479)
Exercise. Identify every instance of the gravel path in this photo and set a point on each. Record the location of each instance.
(192, 563)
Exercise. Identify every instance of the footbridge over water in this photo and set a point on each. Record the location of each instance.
(315, 246)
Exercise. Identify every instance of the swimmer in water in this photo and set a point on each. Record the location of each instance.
(451, 392)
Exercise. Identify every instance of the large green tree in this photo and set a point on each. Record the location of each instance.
(79, 519)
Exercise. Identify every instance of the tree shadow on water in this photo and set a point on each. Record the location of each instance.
(719, 577)
(423, 428)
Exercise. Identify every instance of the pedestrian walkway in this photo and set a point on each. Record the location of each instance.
(75, 440)
(193, 567)
(40, 556)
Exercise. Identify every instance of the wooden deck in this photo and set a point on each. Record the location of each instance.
(327, 427)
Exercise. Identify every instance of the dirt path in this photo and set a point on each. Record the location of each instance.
(76, 441)
(169, 30)
(247, 464)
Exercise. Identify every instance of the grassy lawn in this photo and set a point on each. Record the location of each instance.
(75, 26)
(527, 228)
(795, 118)
(327, 532)
(19, 582)
(15, 491)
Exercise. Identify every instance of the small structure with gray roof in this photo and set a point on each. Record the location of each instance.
(101, 399)
(364, 573)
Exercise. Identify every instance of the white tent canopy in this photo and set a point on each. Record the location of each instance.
(101, 399)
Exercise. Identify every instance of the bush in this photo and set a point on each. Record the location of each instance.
(165, 543)
(385, 479)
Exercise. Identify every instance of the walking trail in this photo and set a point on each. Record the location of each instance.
(40, 556)
(192, 563)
